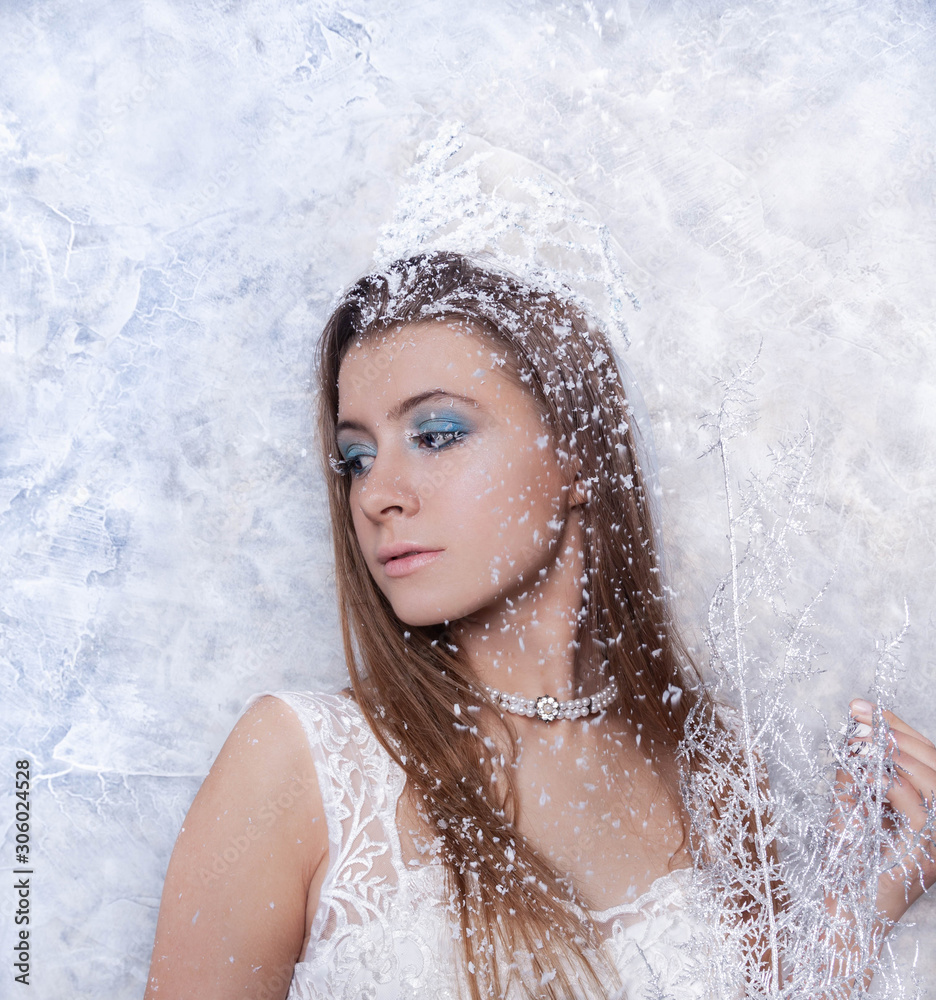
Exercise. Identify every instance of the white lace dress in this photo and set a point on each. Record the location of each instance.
(382, 930)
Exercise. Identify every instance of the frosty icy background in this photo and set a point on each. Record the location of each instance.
(185, 188)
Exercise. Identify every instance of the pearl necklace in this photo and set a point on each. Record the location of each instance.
(548, 708)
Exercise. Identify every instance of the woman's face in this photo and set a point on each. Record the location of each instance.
(457, 496)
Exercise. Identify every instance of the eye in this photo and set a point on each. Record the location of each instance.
(429, 435)
(437, 434)
(439, 439)
(355, 461)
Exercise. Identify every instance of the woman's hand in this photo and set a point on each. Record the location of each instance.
(911, 795)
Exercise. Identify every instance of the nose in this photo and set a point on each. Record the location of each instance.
(387, 491)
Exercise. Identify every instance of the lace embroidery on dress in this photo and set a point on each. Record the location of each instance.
(383, 928)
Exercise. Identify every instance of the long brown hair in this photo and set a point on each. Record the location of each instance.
(408, 680)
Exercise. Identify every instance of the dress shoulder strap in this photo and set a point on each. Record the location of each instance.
(360, 786)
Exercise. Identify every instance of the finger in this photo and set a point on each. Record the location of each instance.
(899, 726)
(902, 745)
(863, 711)
(906, 797)
(909, 788)
(913, 747)
(914, 787)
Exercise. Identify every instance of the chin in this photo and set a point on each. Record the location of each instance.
(425, 619)
(422, 615)
(417, 615)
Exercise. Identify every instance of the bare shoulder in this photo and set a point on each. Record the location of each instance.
(233, 912)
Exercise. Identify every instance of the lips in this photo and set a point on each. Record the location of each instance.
(399, 550)
(403, 558)
(405, 555)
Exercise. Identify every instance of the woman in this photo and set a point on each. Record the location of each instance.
(494, 808)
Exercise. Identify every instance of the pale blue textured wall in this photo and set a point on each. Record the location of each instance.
(186, 186)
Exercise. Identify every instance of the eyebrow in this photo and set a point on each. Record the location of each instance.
(406, 405)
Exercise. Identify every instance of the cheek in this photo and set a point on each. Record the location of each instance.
(507, 497)
(361, 525)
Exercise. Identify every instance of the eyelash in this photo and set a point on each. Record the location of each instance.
(345, 466)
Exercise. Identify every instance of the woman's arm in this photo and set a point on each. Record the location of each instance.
(232, 920)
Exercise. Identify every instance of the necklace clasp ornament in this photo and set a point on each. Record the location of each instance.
(547, 707)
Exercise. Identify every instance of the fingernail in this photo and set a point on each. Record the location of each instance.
(853, 729)
(861, 707)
